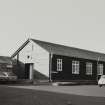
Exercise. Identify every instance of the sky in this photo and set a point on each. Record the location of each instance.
(75, 23)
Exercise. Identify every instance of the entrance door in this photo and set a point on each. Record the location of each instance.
(27, 70)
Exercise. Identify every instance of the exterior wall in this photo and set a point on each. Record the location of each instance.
(45, 64)
(66, 73)
(33, 53)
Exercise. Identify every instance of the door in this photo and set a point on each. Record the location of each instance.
(27, 70)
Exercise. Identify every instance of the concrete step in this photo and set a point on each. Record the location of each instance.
(41, 82)
(64, 83)
(74, 83)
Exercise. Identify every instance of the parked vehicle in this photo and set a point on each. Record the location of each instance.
(7, 76)
(101, 81)
(3, 77)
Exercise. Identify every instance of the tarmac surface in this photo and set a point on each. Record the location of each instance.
(83, 90)
(44, 95)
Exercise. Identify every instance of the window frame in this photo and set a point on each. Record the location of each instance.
(100, 68)
(75, 67)
(89, 68)
(59, 64)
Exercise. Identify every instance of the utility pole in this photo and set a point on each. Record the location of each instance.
(50, 66)
(97, 67)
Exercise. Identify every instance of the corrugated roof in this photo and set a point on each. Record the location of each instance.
(70, 51)
(64, 50)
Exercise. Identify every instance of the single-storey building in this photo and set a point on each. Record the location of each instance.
(5, 63)
(59, 62)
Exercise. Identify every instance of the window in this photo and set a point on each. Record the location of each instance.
(100, 69)
(88, 68)
(59, 64)
(75, 67)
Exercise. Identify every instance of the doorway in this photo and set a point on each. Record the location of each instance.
(29, 71)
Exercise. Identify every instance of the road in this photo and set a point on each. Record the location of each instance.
(85, 90)
(48, 95)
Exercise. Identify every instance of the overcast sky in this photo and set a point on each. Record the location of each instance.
(78, 23)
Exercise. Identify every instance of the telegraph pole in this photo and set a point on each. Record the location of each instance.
(97, 67)
(50, 66)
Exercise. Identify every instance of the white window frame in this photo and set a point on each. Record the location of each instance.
(59, 64)
(100, 68)
(89, 68)
(75, 67)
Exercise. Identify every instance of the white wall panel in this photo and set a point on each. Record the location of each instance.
(33, 53)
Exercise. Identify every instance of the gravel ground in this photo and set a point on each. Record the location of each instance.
(85, 90)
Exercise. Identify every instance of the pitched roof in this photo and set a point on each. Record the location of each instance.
(65, 50)
(5, 59)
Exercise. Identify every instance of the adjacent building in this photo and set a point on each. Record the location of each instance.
(5, 64)
(59, 62)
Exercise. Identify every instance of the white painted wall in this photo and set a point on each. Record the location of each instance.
(38, 56)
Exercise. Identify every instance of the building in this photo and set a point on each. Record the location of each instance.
(5, 64)
(59, 62)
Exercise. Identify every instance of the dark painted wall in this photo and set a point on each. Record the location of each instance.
(66, 73)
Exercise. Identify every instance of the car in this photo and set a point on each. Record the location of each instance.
(3, 77)
(101, 81)
(10, 76)
(7, 76)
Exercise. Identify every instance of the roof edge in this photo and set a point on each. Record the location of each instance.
(20, 48)
(76, 48)
(38, 41)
